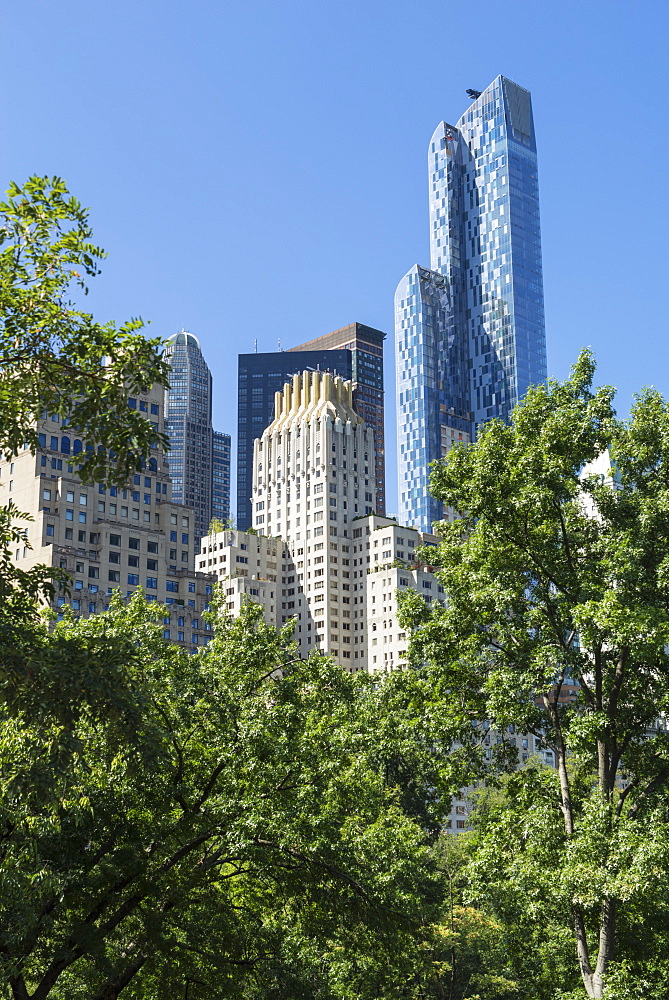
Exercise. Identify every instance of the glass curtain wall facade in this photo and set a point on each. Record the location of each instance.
(472, 358)
(188, 424)
(432, 387)
(220, 488)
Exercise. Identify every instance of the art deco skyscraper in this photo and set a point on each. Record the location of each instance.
(354, 352)
(366, 346)
(260, 377)
(469, 331)
(313, 475)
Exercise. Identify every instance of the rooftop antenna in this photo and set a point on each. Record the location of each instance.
(278, 344)
(255, 345)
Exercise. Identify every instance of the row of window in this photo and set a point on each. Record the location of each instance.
(143, 406)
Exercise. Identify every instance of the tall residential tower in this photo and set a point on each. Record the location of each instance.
(469, 331)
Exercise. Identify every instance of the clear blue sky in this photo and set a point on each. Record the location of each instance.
(258, 170)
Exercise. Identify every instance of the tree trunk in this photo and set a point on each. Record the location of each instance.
(18, 988)
(113, 987)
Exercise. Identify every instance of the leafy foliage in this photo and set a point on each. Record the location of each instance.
(231, 818)
(558, 582)
(54, 356)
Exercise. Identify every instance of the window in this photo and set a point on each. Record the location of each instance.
(151, 583)
(69, 496)
(46, 494)
(184, 538)
(82, 517)
(133, 579)
(191, 586)
(152, 547)
(50, 529)
(173, 538)
(69, 515)
(115, 557)
(133, 543)
(172, 586)
(93, 573)
(114, 539)
(114, 576)
(83, 499)
(133, 560)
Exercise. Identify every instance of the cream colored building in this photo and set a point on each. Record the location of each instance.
(108, 538)
(320, 555)
(246, 566)
(388, 552)
(313, 473)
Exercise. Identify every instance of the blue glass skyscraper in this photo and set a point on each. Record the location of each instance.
(188, 423)
(469, 331)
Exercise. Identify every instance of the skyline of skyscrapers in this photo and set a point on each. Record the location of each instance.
(469, 331)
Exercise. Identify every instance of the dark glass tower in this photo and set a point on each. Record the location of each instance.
(220, 492)
(188, 424)
(260, 376)
(469, 331)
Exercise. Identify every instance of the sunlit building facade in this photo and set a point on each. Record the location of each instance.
(188, 424)
(469, 331)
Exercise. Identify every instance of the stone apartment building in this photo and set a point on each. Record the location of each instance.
(109, 538)
(248, 567)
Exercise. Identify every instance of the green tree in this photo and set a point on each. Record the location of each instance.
(231, 819)
(53, 355)
(557, 577)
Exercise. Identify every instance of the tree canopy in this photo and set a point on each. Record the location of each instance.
(54, 356)
(557, 575)
(232, 818)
